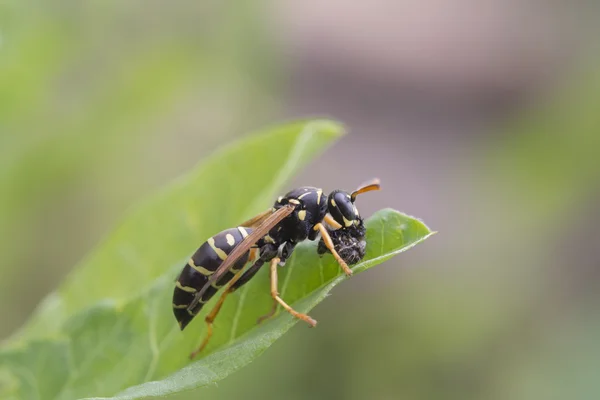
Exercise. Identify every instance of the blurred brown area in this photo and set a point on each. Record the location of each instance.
(479, 117)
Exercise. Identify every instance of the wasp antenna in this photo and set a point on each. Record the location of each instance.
(373, 184)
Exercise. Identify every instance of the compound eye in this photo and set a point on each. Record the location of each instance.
(342, 208)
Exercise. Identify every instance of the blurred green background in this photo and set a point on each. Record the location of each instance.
(482, 119)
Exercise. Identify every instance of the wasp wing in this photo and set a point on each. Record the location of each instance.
(241, 249)
(255, 221)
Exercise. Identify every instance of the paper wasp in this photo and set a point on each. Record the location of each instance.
(303, 213)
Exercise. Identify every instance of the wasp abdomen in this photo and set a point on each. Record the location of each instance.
(201, 266)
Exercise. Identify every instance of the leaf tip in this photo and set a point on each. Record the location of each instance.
(328, 127)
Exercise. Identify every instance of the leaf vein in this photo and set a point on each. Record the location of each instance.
(238, 313)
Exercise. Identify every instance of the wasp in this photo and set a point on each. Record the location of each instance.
(305, 213)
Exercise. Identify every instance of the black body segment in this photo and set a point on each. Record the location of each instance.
(311, 208)
(201, 266)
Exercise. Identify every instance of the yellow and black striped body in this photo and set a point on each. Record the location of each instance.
(194, 287)
(201, 266)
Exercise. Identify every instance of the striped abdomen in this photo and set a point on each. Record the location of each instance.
(201, 266)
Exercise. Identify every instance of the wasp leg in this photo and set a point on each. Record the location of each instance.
(332, 222)
(238, 280)
(270, 314)
(250, 272)
(330, 246)
(265, 254)
(275, 295)
(268, 252)
(210, 318)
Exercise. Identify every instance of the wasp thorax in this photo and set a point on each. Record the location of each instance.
(342, 209)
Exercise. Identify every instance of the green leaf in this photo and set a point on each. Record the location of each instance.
(111, 346)
(235, 183)
(109, 330)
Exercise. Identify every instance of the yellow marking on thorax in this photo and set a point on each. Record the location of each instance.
(304, 194)
(279, 199)
(346, 222)
(319, 193)
(230, 239)
(220, 253)
(200, 269)
(293, 201)
(302, 215)
(356, 211)
(188, 289)
(333, 202)
(243, 231)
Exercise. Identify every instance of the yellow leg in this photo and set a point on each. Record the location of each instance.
(332, 222)
(329, 244)
(275, 295)
(209, 319)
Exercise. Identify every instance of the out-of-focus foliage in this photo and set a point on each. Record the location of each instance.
(96, 99)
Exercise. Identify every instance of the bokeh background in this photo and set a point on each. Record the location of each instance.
(481, 118)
